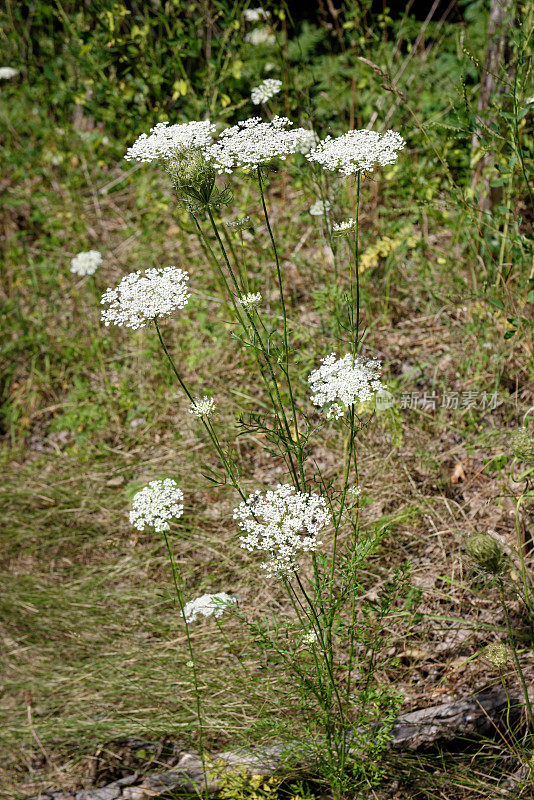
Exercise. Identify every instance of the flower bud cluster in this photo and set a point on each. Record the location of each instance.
(486, 551)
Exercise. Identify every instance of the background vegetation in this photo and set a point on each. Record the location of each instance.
(93, 653)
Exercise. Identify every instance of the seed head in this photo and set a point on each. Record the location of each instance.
(498, 654)
(522, 443)
(486, 552)
(193, 178)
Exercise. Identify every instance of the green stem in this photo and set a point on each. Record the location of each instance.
(282, 417)
(207, 426)
(190, 648)
(286, 341)
(357, 270)
(514, 651)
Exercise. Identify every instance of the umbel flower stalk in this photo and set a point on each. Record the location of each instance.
(283, 523)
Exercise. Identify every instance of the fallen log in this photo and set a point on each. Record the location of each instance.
(474, 716)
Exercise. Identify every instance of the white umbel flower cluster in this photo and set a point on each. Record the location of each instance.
(8, 72)
(86, 263)
(320, 208)
(260, 36)
(339, 383)
(358, 151)
(281, 523)
(309, 638)
(242, 222)
(202, 406)
(307, 141)
(165, 140)
(208, 605)
(142, 297)
(252, 142)
(345, 226)
(156, 504)
(266, 90)
(255, 14)
(250, 300)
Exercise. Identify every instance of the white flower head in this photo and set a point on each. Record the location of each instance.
(86, 263)
(255, 14)
(240, 222)
(165, 140)
(320, 208)
(345, 226)
(156, 504)
(252, 142)
(259, 36)
(8, 72)
(357, 151)
(142, 297)
(250, 300)
(208, 605)
(307, 140)
(266, 90)
(202, 406)
(339, 383)
(309, 638)
(281, 523)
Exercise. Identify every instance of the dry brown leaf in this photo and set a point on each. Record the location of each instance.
(458, 474)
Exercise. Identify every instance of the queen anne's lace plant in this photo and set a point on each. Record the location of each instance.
(281, 523)
(260, 36)
(202, 406)
(86, 263)
(357, 151)
(339, 383)
(8, 72)
(250, 300)
(345, 226)
(252, 142)
(142, 297)
(156, 504)
(208, 605)
(266, 90)
(320, 208)
(165, 140)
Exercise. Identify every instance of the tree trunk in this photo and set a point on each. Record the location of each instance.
(500, 22)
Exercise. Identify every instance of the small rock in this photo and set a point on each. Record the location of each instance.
(117, 481)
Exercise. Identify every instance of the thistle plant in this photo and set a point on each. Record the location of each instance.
(306, 529)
